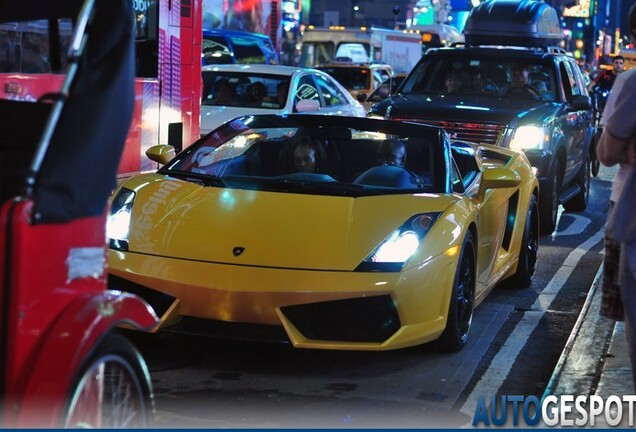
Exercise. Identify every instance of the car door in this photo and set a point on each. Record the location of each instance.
(336, 99)
(575, 121)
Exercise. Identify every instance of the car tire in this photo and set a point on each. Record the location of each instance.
(528, 249)
(111, 390)
(549, 201)
(460, 310)
(595, 163)
(579, 202)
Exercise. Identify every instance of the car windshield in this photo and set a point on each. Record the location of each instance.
(252, 90)
(512, 78)
(351, 78)
(316, 157)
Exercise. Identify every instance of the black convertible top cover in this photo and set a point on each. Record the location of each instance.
(79, 167)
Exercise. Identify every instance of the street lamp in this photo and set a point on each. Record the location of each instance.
(396, 11)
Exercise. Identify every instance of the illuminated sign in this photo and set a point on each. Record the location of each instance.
(579, 10)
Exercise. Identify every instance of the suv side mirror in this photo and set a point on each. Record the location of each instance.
(361, 97)
(580, 103)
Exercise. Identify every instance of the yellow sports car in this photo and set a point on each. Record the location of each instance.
(304, 228)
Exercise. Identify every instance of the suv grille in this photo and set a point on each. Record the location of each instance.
(480, 133)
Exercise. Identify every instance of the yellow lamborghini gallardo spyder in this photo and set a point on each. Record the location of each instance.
(300, 228)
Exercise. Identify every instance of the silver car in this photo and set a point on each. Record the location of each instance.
(231, 91)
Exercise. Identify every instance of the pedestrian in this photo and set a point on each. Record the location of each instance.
(617, 145)
(606, 78)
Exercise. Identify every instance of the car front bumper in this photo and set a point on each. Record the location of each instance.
(317, 309)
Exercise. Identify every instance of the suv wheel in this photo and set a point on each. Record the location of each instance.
(579, 202)
(549, 201)
(529, 248)
(595, 163)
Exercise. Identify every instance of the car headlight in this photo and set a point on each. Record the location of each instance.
(118, 223)
(400, 245)
(528, 137)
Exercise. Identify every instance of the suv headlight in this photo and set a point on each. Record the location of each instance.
(400, 245)
(118, 223)
(529, 137)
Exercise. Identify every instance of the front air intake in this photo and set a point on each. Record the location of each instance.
(368, 319)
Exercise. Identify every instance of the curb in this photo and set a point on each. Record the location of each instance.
(580, 365)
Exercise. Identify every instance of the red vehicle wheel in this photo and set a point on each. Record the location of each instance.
(113, 389)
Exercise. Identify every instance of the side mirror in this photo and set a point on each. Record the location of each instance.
(305, 105)
(361, 97)
(161, 153)
(580, 103)
(497, 178)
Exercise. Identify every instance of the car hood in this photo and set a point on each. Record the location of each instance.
(183, 220)
(214, 116)
(461, 108)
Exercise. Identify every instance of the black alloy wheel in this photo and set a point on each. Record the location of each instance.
(529, 248)
(460, 311)
(549, 201)
(596, 164)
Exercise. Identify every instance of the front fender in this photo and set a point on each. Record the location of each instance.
(56, 364)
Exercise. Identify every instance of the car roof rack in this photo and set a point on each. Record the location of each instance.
(526, 23)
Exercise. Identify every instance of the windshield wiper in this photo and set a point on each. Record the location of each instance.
(205, 179)
(338, 188)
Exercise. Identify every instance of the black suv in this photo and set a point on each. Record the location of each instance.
(528, 97)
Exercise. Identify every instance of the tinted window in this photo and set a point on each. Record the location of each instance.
(331, 93)
(247, 90)
(247, 50)
(480, 76)
(572, 78)
(216, 50)
(306, 89)
(146, 38)
(351, 78)
(24, 47)
(316, 53)
(258, 155)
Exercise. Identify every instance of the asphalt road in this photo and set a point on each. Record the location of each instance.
(516, 340)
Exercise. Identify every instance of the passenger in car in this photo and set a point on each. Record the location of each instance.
(224, 92)
(520, 83)
(282, 89)
(304, 155)
(257, 93)
(453, 82)
(392, 152)
(481, 84)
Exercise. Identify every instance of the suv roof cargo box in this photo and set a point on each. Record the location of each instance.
(513, 22)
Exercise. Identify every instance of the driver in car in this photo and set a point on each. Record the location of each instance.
(392, 152)
(520, 83)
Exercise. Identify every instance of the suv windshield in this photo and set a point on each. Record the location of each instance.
(511, 77)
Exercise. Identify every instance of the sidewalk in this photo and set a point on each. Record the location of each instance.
(594, 360)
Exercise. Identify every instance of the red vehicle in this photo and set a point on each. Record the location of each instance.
(168, 81)
(63, 362)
